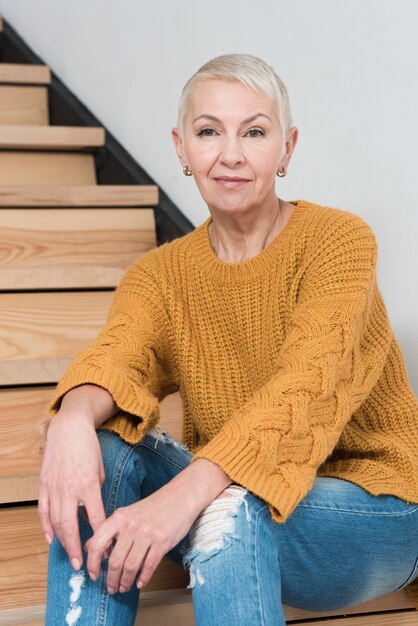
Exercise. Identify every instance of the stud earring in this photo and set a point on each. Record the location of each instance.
(282, 174)
(186, 171)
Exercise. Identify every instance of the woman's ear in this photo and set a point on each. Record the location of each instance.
(178, 144)
(290, 144)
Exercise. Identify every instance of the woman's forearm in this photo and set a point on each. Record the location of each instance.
(197, 485)
(90, 401)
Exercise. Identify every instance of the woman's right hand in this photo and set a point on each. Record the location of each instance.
(72, 474)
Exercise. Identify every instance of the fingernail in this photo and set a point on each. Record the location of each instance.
(110, 590)
(139, 584)
(48, 538)
(93, 576)
(75, 563)
(122, 589)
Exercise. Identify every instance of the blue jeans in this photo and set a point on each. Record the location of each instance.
(341, 546)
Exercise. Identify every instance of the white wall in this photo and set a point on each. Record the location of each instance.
(351, 69)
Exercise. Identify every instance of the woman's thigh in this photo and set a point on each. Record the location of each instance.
(343, 546)
(340, 547)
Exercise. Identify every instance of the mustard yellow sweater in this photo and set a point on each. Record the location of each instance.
(287, 364)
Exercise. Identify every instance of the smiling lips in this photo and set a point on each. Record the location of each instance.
(231, 182)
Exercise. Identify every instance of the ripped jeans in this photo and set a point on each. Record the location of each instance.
(341, 546)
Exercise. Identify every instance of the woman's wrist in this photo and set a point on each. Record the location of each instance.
(199, 484)
(75, 419)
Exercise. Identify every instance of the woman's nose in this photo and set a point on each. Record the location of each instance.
(231, 153)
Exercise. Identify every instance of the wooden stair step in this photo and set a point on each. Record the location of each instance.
(47, 168)
(15, 489)
(394, 618)
(24, 561)
(25, 73)
(24, 558)
(42, 328)
(40, 371)
(24, 418)
(71, 247)
(28, 615)
(165, 608)
(51, 137)
(80, 195)
(23, 105)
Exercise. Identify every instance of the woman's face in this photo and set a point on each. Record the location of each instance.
(233, 144)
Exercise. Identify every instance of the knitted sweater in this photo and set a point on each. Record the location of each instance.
(286, 363)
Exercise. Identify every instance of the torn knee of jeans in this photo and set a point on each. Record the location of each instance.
(213, 531)
(161, 435)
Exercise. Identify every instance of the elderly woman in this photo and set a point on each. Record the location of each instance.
(296, 479)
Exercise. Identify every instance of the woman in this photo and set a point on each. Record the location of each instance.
(297, 475)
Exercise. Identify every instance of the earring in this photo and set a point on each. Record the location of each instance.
(282, 174)
(186, 171)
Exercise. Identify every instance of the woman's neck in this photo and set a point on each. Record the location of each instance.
(237, 247)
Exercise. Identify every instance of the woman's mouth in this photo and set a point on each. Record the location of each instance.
(231, 182)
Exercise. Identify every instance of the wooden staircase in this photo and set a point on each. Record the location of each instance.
(65, 243)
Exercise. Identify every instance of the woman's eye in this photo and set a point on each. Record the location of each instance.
(255, 132)
(206, 132)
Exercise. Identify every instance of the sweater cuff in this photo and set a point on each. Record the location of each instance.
(129, 397)
(238, 456)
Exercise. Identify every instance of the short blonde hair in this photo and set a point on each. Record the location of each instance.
(251, 71)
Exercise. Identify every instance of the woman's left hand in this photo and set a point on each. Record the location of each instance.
(144, 532)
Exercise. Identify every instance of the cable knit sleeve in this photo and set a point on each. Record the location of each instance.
(333, 353)
(130, 357)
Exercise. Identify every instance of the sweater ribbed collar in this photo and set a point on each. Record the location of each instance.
(204, 256)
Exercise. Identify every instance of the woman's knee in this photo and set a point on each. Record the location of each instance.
(221, 524)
